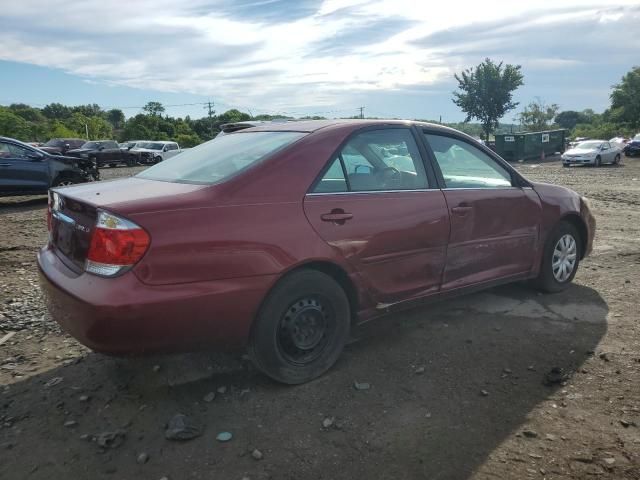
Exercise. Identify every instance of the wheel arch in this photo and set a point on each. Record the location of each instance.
(333, 270)
(576, 220)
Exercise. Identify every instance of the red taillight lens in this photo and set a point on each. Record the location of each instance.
(117, 247)
(116, 243)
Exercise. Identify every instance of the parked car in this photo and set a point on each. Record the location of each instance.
(61, 146)
(103, 152)
(577, 140)
(280, 238)
(632, 148)
(130, 144)
(154, 152)
(25, 170)
(591, 152)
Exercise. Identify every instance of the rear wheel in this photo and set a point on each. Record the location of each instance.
(560, 258)
(301, 328)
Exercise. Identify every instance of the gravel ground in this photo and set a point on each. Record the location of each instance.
(506, 383)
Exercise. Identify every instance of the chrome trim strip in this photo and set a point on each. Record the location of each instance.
(63, 217)
(372, 191)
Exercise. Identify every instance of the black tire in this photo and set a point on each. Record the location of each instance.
(65, 181)
(157, 159)
(598, 161)
(616, 160)
(301, 328)
(113, 165)
(547, 280)
(131, 161)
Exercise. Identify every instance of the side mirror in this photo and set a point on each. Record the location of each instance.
(67, 146)
(35, 156)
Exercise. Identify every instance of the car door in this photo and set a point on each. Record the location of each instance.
(22, 169)
(494, 221)
(374, 205)
(607, 154)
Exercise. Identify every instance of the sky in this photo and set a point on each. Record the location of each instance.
(397, 58)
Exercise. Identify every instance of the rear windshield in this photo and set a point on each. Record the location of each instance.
(220, 158)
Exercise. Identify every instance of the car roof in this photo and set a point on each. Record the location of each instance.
(309, 126)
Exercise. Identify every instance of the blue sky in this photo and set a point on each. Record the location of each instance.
(395, 57)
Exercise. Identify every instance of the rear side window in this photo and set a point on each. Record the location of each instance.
(221, 158)
(376, 160)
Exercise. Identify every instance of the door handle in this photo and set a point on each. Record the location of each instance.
(461, 210)
(338, 216)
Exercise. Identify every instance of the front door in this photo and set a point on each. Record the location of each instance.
(374, 205)
(494, 223)
(22, 169)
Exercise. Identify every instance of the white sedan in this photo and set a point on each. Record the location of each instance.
(592, 152)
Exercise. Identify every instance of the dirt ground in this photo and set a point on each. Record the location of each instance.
(504, 384)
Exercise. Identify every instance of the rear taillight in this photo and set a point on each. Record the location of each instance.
(116, 245)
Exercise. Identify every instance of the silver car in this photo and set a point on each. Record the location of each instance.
(592, 152)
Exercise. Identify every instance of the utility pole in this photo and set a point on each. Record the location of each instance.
(361, 112)
(209, 106)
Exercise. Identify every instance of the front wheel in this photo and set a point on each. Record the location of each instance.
(301, 328)
(598, 161)
(616, 161)
(560, 259)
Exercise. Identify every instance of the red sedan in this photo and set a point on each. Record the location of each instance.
(279, 238)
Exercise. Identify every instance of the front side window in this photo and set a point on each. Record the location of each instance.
(9, 150)
(465, 166)
(217, 160)
(376, 160)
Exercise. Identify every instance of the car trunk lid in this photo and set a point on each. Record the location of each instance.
(74, 210)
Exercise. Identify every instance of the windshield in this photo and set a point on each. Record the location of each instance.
(150, 145)
(91, 145)
(219, 159)
(589, 145)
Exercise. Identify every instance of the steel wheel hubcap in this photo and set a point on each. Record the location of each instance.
(304, 329)
(564, 258)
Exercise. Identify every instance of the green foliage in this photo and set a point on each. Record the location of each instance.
(153, 108)
(486, 92)
(12, 125)
(625, 99)
(537, 116)
(116, 118)
(187, 141)
(601, 130)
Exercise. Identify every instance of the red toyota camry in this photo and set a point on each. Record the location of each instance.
(279, 238)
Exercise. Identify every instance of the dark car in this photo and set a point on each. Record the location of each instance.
(632, 148)
(60, 146)
(103, 152)
(25, 170)
(280, 238)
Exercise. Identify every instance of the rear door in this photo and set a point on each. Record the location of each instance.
(494, 222)
(375, 206)
(22, 169)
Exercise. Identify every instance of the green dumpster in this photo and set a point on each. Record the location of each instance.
(524, 146)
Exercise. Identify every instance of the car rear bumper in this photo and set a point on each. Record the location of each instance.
(124, 316)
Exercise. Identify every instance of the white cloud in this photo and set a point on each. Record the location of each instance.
(280, 56)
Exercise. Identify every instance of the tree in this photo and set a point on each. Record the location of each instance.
(568, 119)
(116, 118)
(153, 108)
(14, 126)
(56, 111)
(538, 116)
(89, 110)
(625, 99)
(486, 92)
(231, 116)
